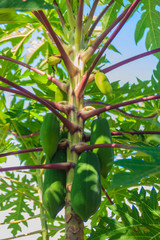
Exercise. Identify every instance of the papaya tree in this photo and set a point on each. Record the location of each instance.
(86, 145)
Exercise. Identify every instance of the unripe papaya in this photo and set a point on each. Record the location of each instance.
(49, 134)
(54, 186)
(60, 95)
(103, 84)
(100, 133)
(86, 186)
(54, 59)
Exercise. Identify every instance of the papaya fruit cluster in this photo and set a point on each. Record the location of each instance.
(54, 186)
(86, 186)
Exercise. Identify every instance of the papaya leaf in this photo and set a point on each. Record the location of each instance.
(111, 14)
(131, 222)
(15, 200)
(29, 5)
(150, 19)
(10, 16)
(35, 52)
(138, 168)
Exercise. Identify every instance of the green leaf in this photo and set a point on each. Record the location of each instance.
(138, 169)
(28, 5)
(111, 14)
(35, 52)
(149, 21)
(130, 222)
(11, 17)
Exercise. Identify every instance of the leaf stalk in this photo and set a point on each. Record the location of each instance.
(86, 115)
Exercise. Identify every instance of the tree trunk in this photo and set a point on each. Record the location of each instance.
(74, 224)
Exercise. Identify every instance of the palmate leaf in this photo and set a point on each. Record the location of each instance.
(54, 229)
(11, 17)
(35, 52)
(6, 66)
(156, 75)
(140, 222)
(111, 14)
(150, 19)
(16, 196)
(138, 168)
(28, 5)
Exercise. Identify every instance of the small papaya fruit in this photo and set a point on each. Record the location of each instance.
(54, 186)
(103, 84)
(60, 95)
(86, 186)
(54, 59)
(50, 134)
(100, 133)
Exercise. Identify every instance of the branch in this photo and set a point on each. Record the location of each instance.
(78, 33)
(83, 83)
(99, 17)
(23, 235)
(72, 70)
(135, 132)
(86, 115)
(71, 127)
(61, 145)
(86, 137)
(135, 116)
(25, 136)
(85, 147)
(90, 17)
(20, 192)
(58, 106)
(38, 149)
(21, 220)
(20, 183)
(119, 64)
(55, 228)
(86, 56)
(107, 196)
(39, 17)
(61, 85)
(61, 18)
(128, 13)
(119, 110)
(64, 166)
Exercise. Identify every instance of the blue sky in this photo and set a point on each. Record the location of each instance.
(125, 43)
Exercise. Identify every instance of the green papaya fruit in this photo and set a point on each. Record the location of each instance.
(100, 133)
(50, 134)
(60, 95)
(86, 186)
(54, 59)
(54, 186)
(103, 84)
